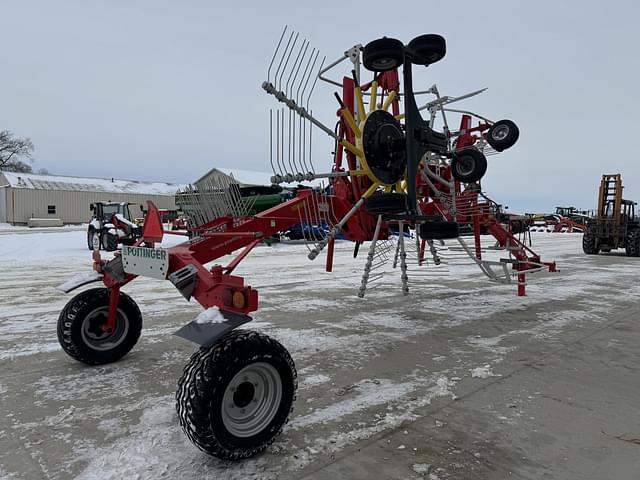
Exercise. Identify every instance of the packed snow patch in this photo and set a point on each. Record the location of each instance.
(421, 468)
(210, 315)
(483, 372)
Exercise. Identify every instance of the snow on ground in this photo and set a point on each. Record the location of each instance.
(348, 390)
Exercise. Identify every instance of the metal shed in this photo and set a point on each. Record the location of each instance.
(25, 195)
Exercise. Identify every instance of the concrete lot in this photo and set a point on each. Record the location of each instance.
(460, 380)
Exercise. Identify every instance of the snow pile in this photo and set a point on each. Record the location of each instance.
(483, 372)
(210, 315)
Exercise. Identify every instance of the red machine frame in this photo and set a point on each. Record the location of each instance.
(219, 287)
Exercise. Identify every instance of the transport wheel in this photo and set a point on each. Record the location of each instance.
(90, 236)
(468, 165)
(389, 203)
(632, 243)
(109, 241)
(427, 49)
(383, 54)
(235, 396)
(502, 135)
(80, 333)
(439, 230)
(590, 242)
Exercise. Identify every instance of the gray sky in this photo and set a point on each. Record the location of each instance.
(159, 90)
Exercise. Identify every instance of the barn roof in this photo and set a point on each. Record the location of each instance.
(245, 178)
(86, 184)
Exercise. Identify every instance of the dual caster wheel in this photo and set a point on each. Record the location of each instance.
(234, 397)
(386, 54)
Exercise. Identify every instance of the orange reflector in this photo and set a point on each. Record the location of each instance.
(238, 300)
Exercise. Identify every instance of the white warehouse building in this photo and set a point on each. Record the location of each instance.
(25, 196)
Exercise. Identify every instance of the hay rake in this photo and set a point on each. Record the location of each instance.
(395, 182)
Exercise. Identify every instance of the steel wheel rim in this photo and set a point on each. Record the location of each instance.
(383, 64)
(103, 341)
(465, 165)
(500, 133)
(251, 399)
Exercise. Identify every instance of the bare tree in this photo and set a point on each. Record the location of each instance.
(13, 150)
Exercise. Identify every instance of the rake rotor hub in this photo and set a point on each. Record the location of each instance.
(384, 146)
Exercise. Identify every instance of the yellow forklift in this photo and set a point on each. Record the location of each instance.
(615, 224)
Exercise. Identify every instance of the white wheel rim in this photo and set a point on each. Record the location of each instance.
(251, 399)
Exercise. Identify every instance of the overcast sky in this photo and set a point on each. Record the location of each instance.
(165, 90)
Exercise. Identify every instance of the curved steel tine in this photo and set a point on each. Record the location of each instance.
(271, 140)
(304, 78)
(284, 54)
(313, 170)
(301, 129)
(275, 54)
(289, 143)
(315, 81)
(313, 86)
(310, 74)
(286, 62)
(291, 79)
(278, 144)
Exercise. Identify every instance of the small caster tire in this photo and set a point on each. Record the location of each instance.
(80, 333)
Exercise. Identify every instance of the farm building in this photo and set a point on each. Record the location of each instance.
(25, 196)
(249, 178)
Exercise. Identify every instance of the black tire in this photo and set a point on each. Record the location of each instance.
(468, 165)
(208, 397)
(439, 230)
(632, 243)
(90, 234)
(427, 49)
(590, 242)
(383, 54)
(79, 333)
(109, 241)
(502, 135)
(519, 226)
(386, 203)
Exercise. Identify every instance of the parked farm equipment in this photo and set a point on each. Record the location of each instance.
(111, 225)
(615, 224)
(392, 172)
